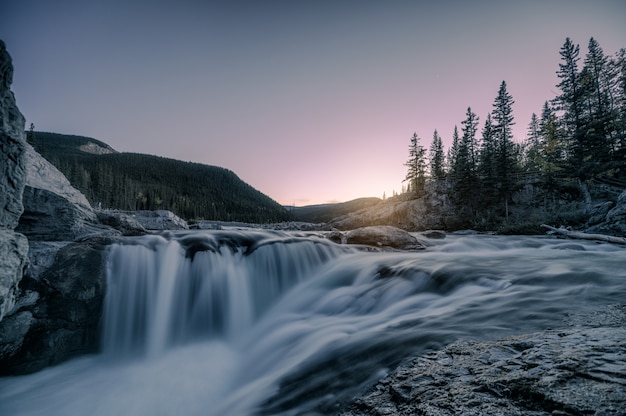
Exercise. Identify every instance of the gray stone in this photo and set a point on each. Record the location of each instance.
(121, 221)
(576, 371)
(13, 261)
(598, 212)
(614, 222)
(434, 234)
(383, 236)
(65, 314)
(14, 330)
(13, 246)
(12, 180)
(49, 216)
(12, 142)
(53, 208)
(336, 236)
(160, 220)
(41, 174)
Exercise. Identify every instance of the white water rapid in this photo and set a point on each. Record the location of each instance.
(258, 322)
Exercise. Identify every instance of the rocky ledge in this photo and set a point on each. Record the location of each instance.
(382, 236)
(579, 370)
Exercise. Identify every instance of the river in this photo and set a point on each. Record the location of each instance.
(265, 322)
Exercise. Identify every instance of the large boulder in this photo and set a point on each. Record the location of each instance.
(13, 246)
(160, 220)
(53, 208)
(125, 223)
(610, 218)
(383, 236)
(61, 311)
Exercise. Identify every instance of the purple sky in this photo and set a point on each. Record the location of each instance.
(308, 101)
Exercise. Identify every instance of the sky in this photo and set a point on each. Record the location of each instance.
(308, 101)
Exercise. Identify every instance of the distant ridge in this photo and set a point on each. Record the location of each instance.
(327, 212)
(133, 181)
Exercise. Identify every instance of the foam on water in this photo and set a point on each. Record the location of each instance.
(236, 323)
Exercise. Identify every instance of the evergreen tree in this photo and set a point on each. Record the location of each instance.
(532, 147)
(596, 123)
(569, 101)
(465, 180)
(437, 158)
(619, 106)
(416, 173)
(487, 167)
(506, 163)
(551, 148)
(453, 152)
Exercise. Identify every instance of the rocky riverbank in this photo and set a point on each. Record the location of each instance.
(579, 369)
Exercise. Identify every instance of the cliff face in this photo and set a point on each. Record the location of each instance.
(13, 246)
(51, 287)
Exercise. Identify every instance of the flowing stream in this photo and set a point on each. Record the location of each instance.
(259, 322)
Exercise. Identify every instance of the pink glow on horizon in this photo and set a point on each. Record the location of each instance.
(307, 102)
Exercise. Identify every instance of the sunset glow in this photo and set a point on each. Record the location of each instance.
(309, 102)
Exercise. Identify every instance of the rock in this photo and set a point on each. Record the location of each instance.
(14, 329)
(614, 222)
(13, 261)
(41, 255)
(336, 236)
(383, 236)
(50, 217)
(13, 246)
(160, 220)
(66, 316)
(53, 208)
(598, 212)
(573, 371)
(434, 234)
(123, 222)
(12, 179)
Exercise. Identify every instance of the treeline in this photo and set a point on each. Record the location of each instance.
(130, 181)
(579, 138)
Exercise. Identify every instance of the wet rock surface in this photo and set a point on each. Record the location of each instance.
(58, 314)
(378, 236)
(578, 370)
(159, 220)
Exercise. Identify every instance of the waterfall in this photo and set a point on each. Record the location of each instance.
(259, 322)
(165, 292)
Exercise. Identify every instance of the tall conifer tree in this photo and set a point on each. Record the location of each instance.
(506, 162)
(416, 173)
(437, 158)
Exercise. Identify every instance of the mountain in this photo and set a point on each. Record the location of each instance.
(134, 181)
(328, 212)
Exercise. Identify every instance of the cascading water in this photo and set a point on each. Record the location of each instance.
(258, 322)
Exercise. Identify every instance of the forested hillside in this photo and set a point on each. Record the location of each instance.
(132, 181)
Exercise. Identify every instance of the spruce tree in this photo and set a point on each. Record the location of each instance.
(453, 152)
(551, 148)
(506, 163)
(437, 158)
(487, 162)
(465, 181)
(596, 123)
(570, 99)
(532, 147)
(619, 105)
(416, 173)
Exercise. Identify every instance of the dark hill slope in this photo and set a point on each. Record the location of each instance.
(132, 181)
